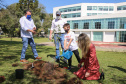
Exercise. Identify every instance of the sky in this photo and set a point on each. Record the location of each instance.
(50, 4)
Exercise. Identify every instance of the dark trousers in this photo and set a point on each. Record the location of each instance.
(76, 53)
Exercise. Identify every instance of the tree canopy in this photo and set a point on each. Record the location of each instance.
(9, 17)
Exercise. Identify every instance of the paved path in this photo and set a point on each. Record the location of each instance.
(110, 46)
(46, 44)
(100, 46)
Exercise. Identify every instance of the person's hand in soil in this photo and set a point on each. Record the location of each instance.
(79, 65)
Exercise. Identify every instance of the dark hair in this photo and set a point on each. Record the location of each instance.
(25, 12)
(66, 25)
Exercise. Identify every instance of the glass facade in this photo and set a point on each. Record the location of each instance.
(97, 25)
(121, 7)
(106, 23)
(76, 8)
(90, 14)
(111, 24)
(100, 8)
(121, 36)
(72, 15)
(86, 25)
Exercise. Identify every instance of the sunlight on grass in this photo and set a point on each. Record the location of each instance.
(37, 40)
(113, 63)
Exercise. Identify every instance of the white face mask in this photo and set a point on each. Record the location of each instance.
(58, 17)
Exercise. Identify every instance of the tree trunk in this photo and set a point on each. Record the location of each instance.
(11, 38)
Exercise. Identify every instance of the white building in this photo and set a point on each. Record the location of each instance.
(101, 21)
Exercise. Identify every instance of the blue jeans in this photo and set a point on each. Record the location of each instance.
(25, 42)
(58, 38)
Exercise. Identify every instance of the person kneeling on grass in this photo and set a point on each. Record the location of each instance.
(70, 43)
(90, 69)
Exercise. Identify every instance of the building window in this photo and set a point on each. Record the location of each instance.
(94, 7)
(71, 15)
(100, 8)
(94, 13)
(75, 25)
(105, 8)
(78, 15)
(119, 8)
(74, 9)
(86, 25)
(65, 10)
(97, 25)
(124, 8)
(69, 10)
(78, 9)
(61, 10)
(89, 7)
(88, 14)
(99, 13)
(68, 15)
(111, 8)
(74, 15)
(111, 24)
(65, 16)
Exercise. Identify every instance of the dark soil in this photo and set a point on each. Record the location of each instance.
(14, 65)
(50, 72)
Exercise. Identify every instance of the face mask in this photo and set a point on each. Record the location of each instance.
(66, 30)
(58, 17)
(28, 17)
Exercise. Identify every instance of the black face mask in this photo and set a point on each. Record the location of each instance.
(66, 30)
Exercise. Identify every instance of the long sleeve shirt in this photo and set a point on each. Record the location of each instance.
(25, 25)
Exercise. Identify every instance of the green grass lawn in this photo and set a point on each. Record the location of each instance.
(113, 63)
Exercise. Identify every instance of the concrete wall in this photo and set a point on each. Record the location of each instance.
(108, 34)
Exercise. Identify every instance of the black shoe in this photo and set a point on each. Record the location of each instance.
(65, 60)
(102, 76)
(57, 60)
(69, 68)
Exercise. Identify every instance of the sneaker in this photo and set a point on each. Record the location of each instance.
(57, 60)
(69, 68)
(24, 61)
(65, 60)
(38, 58)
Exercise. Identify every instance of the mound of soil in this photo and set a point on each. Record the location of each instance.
(14, 65)
(50, 72)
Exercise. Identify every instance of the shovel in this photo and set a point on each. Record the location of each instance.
(32, 66)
